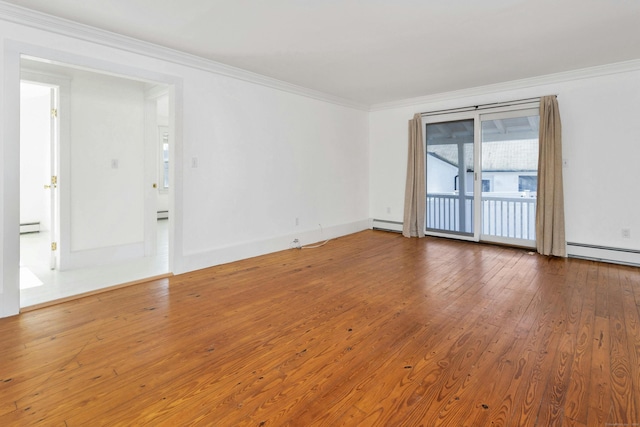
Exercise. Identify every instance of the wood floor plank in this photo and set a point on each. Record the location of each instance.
(371, 329)
(542, 345)
(576, 402)
(600, 385)
(491, 385)
(623, 401)
(629, 279)
(551, 408)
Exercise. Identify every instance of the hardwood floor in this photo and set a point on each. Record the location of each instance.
(370, 329)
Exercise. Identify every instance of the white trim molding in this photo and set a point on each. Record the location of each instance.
(585, 73)
(30, 18)
(248, 249)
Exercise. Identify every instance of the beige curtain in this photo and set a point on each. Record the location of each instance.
(550, 207)
(415, 190)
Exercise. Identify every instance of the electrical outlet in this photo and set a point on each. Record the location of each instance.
(295, 244)
(626, 233)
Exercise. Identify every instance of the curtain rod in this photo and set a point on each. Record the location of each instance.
(481, 106)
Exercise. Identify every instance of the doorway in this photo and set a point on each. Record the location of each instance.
(38, 181)
(482, 175)
(106, 176)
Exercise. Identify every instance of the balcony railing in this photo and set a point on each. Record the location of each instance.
(510, 217)
(443, 213)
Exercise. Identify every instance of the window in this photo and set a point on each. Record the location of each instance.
(164, 159)
(527, 183)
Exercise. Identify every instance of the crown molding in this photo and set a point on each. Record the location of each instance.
(41, 21)
(584, 73)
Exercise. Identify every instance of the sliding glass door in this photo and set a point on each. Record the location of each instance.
(450, 184)
(482, 175)
(509, 177)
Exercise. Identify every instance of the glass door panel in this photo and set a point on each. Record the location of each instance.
(509, 177)
(450, 177)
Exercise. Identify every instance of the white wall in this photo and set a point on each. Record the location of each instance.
(503, 181)
(101, 173)
(107, 154)
(601, 143)
(441, 177)
(265, 156)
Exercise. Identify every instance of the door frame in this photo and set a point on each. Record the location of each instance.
(60, 157)
(492, 115)
(455, 117)
(152, 179)
(10, 157)
(54, 154)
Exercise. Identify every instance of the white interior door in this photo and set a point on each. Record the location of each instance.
(38, 166)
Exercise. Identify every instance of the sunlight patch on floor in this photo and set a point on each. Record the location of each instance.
(40, 284)
(28, 279)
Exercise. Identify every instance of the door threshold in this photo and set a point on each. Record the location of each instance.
(94, 292)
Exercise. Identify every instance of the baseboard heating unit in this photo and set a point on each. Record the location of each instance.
(29, 227)
(384, 225)
(604, 253)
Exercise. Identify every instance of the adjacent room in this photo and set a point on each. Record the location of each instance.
(82, 205)
(293, 213)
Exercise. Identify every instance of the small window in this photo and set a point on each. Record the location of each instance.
(165, 162)
(164, 159)
(527, 183)
(486, 185)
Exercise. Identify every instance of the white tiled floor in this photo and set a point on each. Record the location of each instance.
(40, 284)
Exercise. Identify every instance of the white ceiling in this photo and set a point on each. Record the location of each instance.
(374, 51)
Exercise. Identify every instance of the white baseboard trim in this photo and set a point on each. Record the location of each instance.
(574, 250)
(604, 253)
(244, 250)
